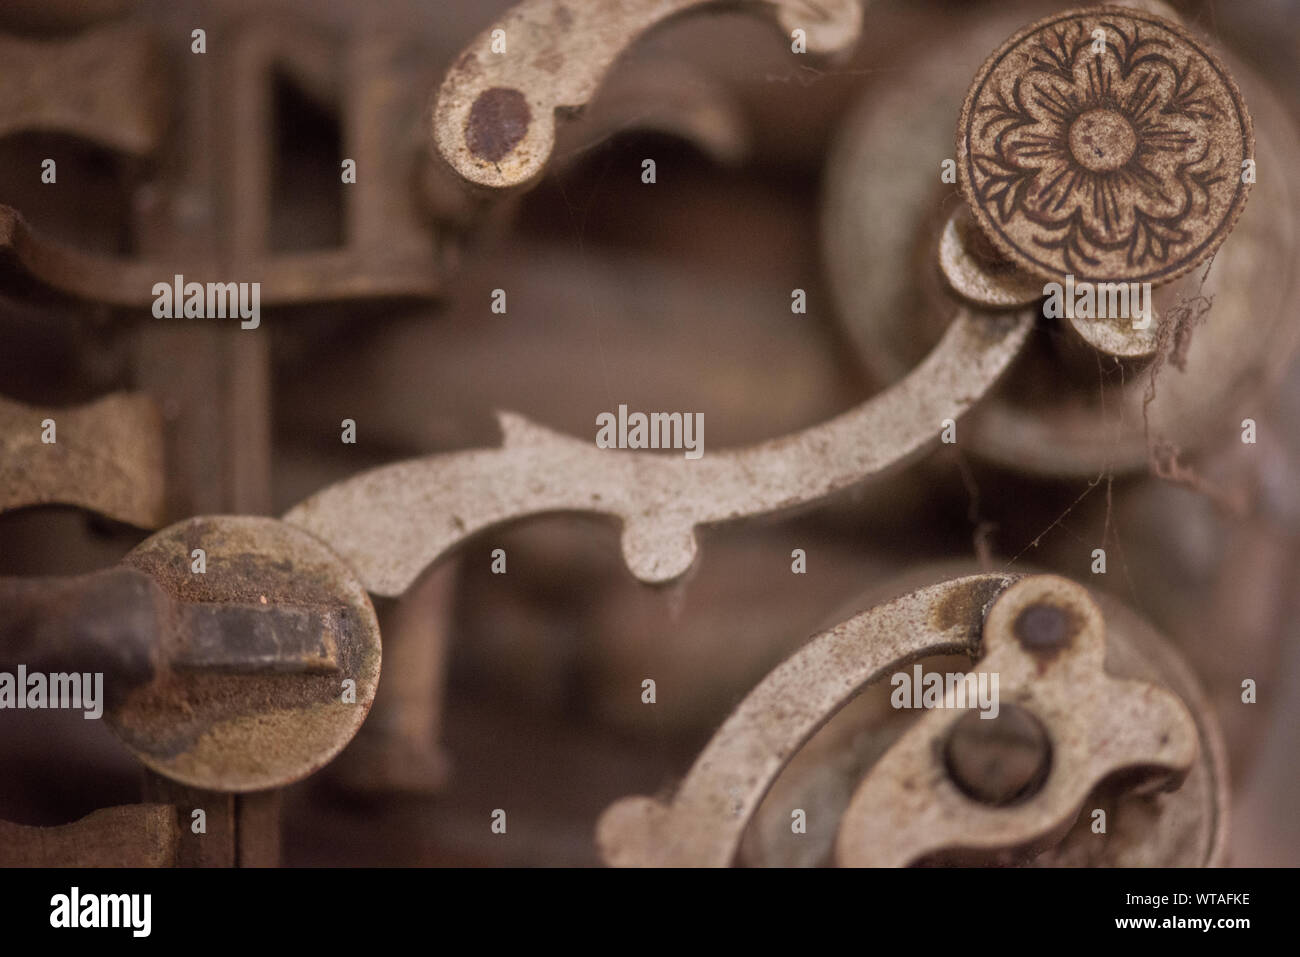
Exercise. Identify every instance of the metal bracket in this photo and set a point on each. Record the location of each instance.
(107, 457)
(908, 807)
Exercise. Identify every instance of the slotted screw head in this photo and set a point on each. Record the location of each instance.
(231, 715)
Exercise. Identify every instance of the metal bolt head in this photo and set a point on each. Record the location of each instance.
(1001, 760)
(1044, 628)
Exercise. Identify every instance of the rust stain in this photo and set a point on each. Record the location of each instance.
(498, 120)
(964, 608)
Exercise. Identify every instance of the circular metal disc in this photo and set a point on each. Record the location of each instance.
(1106, 143)
(246, 730)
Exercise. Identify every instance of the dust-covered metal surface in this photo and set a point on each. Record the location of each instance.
(494, 117)
(135, 835)
(703, 823)
(107, 86)
(961, 785)
(756, 223)
(1045, 639)
(106, 456)
(1050, 422)
(393, 522)
(1108, 144)
(256, 706)
(55, 270)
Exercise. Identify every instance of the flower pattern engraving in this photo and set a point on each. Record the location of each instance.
(1104, 143)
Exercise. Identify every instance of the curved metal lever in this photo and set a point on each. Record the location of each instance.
(390, 523)
(909, 806)
(494, 116)
(703, 824)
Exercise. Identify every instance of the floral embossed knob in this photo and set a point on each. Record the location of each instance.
(1107, 143)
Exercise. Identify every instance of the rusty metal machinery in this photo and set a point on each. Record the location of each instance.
(322, 323)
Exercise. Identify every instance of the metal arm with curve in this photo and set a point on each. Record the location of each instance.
(391, 522)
